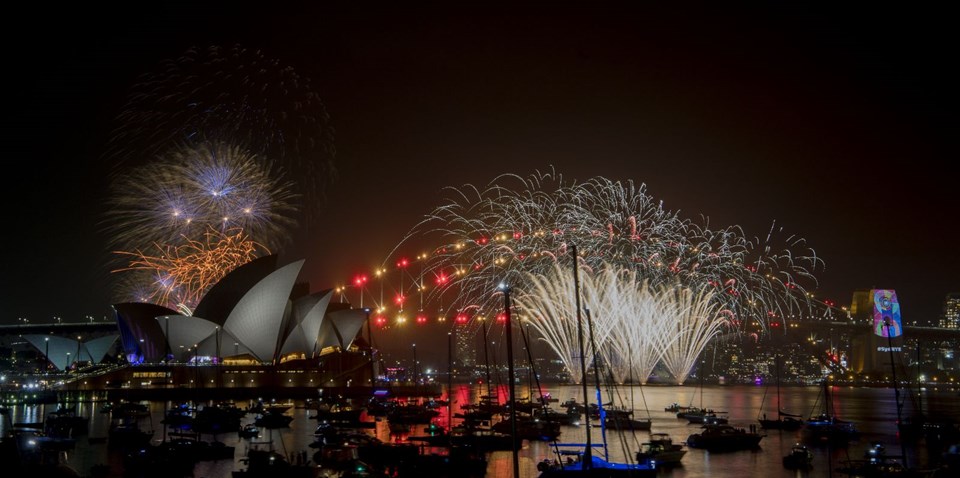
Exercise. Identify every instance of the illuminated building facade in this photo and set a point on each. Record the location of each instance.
(256, 314)
(874, 349)
(951, 312)
(466, 348)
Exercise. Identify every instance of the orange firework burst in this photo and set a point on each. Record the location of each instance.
(184, 273)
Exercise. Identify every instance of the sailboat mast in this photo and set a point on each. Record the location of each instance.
(486, 360)
(703, 367)
(776, 366)
(449, 381)
(919, 387)
(588, 451)
(511, 377)
(896, 389)
(533, 373)
(596, 376)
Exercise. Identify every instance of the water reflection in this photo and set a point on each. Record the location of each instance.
(873, 410)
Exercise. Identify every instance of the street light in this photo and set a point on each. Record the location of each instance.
(360, 282)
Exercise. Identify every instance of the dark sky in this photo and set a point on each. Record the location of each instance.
(840, 125)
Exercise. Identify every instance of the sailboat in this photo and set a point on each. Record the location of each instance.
(621, 418)
(784, 421)
(920, 424)
(826, 426)
(877, 462)
(582, 462)
(701, 415)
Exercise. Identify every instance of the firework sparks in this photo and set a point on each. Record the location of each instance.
(634, 315)
(635, 326)
(183, 274)
(695, 318)
(501, 233)
(231, 94)
(548, 302)
(518, 229)
(195, 188)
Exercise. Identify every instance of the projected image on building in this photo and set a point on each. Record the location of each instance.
(886, 313)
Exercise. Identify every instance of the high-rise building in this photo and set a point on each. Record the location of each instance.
(466, 350)
(951, 312)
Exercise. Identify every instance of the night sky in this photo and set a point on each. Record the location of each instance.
(840, 125)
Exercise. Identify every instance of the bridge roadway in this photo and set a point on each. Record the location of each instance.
(87, 330)
(831, 328)
(844, 334)
(840, 333)
(100, 328)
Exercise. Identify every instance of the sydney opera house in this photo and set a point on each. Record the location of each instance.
(256, 328)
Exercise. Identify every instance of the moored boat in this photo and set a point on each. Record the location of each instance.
(661, 450)
(273, 420)
(597, 467)
(800, 457)
(724, 438)
(249, 430)
(826, 426)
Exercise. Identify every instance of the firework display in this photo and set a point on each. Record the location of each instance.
(191, 189)
(518, 231)
(232, 94)
(182, 274)
(502, 233)
(693, 319)
(634, 326)
(205, 146)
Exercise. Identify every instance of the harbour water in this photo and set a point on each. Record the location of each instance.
(872, 409)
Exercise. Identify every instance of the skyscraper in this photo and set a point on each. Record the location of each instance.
(951, 312)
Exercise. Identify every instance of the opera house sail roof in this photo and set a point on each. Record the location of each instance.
(251, 311)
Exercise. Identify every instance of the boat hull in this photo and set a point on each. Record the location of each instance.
(599, 469)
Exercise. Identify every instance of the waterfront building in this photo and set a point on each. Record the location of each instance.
(951, 311)
(466, 347)
(256, 329)
(253, 316)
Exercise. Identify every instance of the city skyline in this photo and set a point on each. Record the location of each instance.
(835, 126)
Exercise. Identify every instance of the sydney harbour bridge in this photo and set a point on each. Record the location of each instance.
(843, 346)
